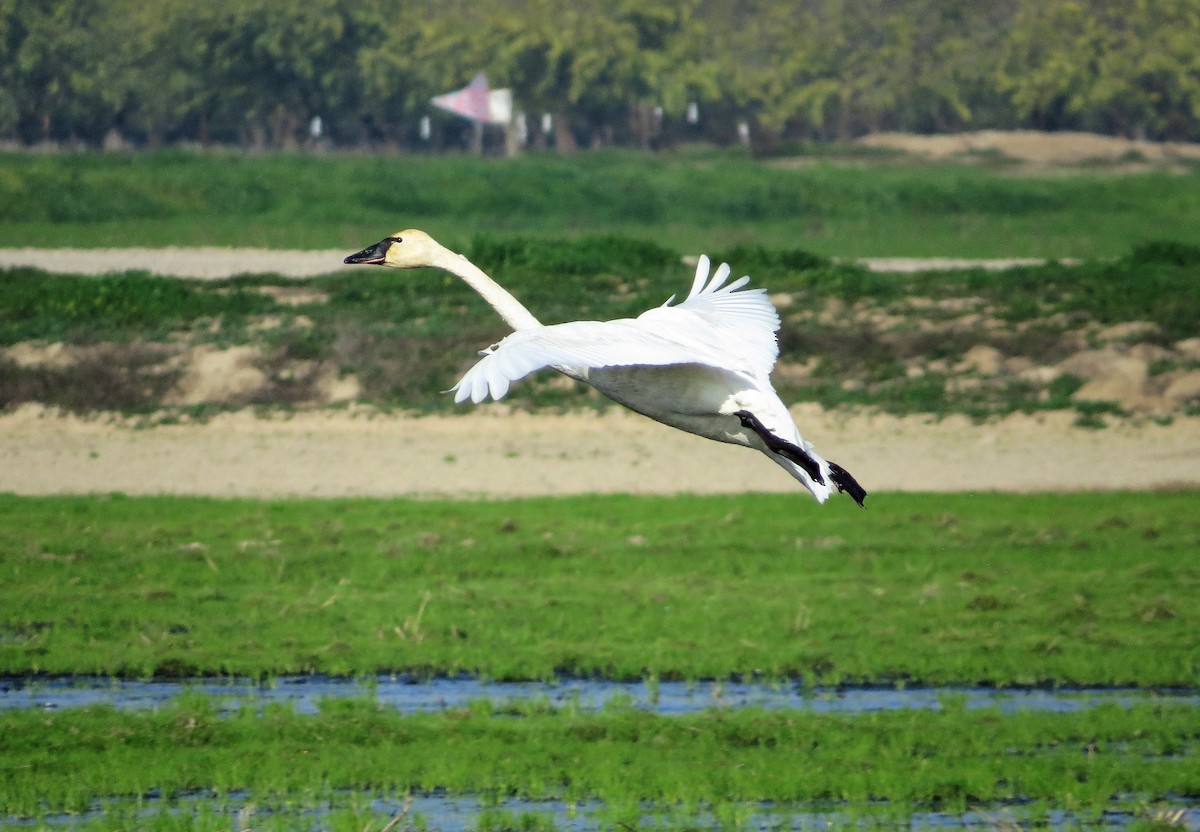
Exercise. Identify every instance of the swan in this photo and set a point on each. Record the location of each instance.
(702, 365)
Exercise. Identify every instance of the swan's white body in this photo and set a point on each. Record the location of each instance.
(698, 366)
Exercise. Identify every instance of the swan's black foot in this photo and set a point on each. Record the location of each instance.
(782, 447)
(842, 479)
(847, 484)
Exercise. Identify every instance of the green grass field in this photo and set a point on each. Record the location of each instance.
(694, 201)
(1084, 589)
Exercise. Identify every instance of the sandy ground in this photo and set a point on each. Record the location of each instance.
(210, 262)
(490, 452)
(1040, 149)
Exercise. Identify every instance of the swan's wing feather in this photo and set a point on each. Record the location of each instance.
(740, 323)
(582, 344)
(718, 279)
(701, 276)
(715, 298)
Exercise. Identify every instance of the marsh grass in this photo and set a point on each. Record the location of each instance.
(1083, 589)
(694, 201)
(723, 761)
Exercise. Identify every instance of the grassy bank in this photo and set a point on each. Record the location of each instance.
(881, 766)
(1095, 589)
(693, 201)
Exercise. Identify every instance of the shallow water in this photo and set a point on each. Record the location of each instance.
(462, 813)
(409, 695)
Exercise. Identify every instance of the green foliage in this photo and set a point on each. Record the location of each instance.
(1149, 290)
(1084, 589)
(1133, 289)
(1091, 65)
(254, 72)
(763, 262)
(1167, 252)
(584, 256)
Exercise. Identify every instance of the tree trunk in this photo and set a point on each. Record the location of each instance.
(564, 139)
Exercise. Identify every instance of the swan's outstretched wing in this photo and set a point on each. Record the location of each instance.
(716, 325)
(737, 322)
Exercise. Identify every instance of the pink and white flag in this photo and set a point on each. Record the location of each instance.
(471, 101)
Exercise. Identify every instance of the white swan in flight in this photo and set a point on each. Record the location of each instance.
(702, 365)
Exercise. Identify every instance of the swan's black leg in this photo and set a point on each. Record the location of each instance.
(781, 446)
(841, 477)
(846, 483)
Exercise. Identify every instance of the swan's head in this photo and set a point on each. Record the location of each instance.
(409, 249)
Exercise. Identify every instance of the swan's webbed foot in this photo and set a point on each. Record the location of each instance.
(781, 446)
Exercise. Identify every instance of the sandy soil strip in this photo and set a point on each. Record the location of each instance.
(491, 453)
(215, 263)
(209, 262)
(1065, 148)
(931, 264)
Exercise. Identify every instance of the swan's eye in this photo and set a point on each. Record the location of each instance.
(396, 239)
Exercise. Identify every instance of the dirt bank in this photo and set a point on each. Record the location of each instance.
(493, 453)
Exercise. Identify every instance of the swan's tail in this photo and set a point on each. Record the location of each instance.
(846, 483)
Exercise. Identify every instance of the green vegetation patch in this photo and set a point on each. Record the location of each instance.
(850, 336)
(1087, 589)
(35, 305)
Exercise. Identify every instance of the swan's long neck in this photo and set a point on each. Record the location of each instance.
(507, 306)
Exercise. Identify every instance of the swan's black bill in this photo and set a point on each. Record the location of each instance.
(373, 255)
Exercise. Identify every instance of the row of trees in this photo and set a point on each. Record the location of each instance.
(255, 72)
